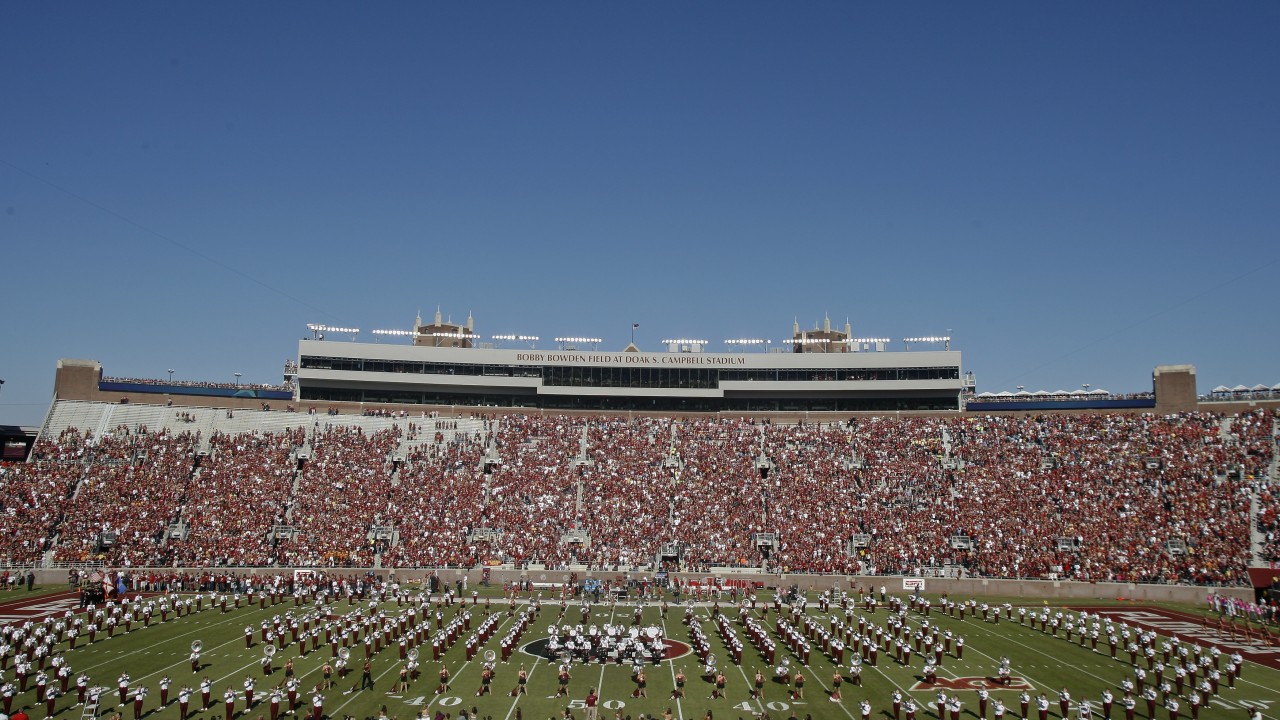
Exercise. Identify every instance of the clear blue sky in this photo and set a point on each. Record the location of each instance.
(1078, 191)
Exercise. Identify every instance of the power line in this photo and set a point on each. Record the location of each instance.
(1144, 320)
(159, 235)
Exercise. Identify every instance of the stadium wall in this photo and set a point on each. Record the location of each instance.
(1057, 592)
(82, 380)
(1174, 387)
(203, 392)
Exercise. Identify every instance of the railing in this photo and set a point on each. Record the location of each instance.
(1075, 396)
(76, 564)
(942, 571)
(7, 564)
(196, 384)
(1238, 396)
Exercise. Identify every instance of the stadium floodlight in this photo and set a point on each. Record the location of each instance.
(316, 329)
(814, 341)
(684, 342)
(944, 339)
(870, 340)
(377, 334)
(746, 342)
(566, 341)
(516, 337)
(457, 335)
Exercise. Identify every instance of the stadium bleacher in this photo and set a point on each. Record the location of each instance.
(1179, 498)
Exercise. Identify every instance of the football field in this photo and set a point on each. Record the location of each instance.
(1039, 661)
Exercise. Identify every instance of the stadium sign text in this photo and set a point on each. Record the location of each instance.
(629, 359)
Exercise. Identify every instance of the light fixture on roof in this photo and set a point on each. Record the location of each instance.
(747, 341)
(318, 329)
(378, 334)
(684, 345)
(569, 343)
(515, 337)
(944, 339)
(870, 340)
(814, 341)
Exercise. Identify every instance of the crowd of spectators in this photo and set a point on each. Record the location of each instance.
(443, 498)
(132, 489)
(1023, 396)
(241, 492)
(35, 493)
(1269, 524)
(343, 491)
(1141, 498)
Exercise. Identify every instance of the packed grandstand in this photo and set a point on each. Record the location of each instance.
(1123, 497)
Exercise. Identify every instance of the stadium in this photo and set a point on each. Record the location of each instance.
(439, 525)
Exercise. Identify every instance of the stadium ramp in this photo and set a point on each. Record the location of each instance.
(261, 421)
(73, 414)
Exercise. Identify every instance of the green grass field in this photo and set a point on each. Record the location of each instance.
(1045, 662)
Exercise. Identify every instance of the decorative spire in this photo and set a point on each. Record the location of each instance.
(826, 323)
(437, 315)
(795, 326)
(471, 323)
